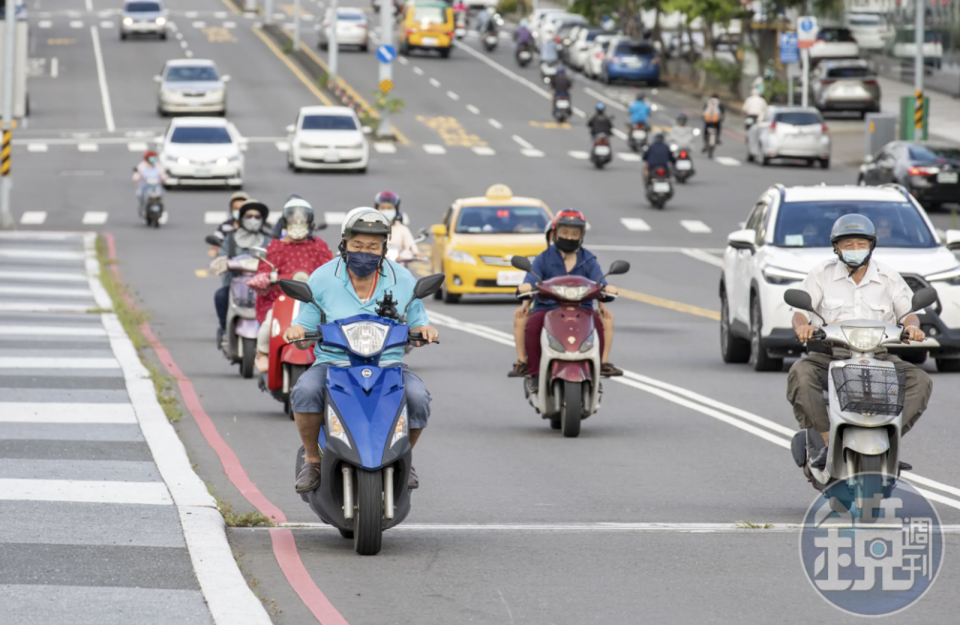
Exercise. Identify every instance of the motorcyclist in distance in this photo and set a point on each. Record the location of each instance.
(230, 224)
(681, 134)
(561, 83)
(523, 36)
(657, 154)
(149, 163)
(600, 124)
(713, 114)
(388, 203)
(639, 111)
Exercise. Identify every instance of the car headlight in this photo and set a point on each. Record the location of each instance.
(183, 160)
(169, 93)
(863, 339)
(775, 275)
(161, 21)
(461, 257)
(951, 277)
(127, 21)
(401, 429)
(217, 93)
(571, 293)
(223, 160)
(306, 146)
(335, 428)
(355, 146)
(366, 337)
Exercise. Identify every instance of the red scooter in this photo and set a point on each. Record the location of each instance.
(570, 363)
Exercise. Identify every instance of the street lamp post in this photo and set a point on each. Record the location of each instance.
(6, 182)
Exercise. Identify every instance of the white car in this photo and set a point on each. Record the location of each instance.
(834, 43)
(904, 46)
(191, 86)
(202, 151)
(791, 132)
(327, 137)
(143, 17)
(352, 29)
(593, 61)
(580, 46)
(871, 30)
(788, 232)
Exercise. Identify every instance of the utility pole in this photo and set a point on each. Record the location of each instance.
(296, 25)
(268, 11)
(333, 44)
(386, 69)
(6, 182)
(918, 37)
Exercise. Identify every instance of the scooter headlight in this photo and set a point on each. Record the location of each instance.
(335, 428)
(863, 339)
(555, 343)
(366, 337)
(571, 293)
(587, 345)
(401, 429)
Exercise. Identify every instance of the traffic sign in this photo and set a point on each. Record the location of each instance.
(789, 50)
(386, 85)
(386, 54)
(806, 31)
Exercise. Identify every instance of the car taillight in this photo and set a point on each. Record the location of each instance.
(870, 82)
(821, 39)
(923, 171)
(683, 154)
(773, 125)
(827, 81)
(824, 128)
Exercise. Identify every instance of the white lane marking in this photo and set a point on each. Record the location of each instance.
(44, 24)
(434, 82)
(385, 148)
(106, 25)
(212, 218)
(58, 363)
(630, 157)
(88, 147)
(42, 307)
(619, 133)
(94, 218)
(229, 25)
(183, 44)
(36, 147)
(635, 224)
(147, 493)
(503, 70)
(523, 142)
(55, 412)
(88, 4)
(431, 148)
(453, 96)
(596, 94)
(42, 275)
(92, 266)
(532, 152)
(220, 15)
(35, 290)
(484, 151)
(136, 146)
(191, 14)
(179, 36)
(704, 256)
(729, 161)
(282, 146)
(54, 67)
(189, 55)
(33, 218)
(22, 330)
(696, 226)
(579, 155)
(76, 24)
(199, 24)
(102, 78)
(417, 71)
(334, 218)
(495, 124)
(473, 109)
(41, 254)
(403, 61)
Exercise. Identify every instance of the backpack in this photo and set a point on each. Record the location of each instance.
(711, 114)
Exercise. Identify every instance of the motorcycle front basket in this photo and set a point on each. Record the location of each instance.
(244, 296)
(869, 390)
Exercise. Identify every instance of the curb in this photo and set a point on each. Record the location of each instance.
(228, 597)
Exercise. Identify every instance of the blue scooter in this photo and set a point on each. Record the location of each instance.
(365, 436)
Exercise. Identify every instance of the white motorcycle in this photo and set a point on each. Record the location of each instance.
(865, 404)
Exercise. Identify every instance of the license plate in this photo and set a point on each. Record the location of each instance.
(602, 150)
(331, 157)
(429, 41)
(492, 40)
(510, 278)
(639, 135)
(203, 173)
(684, 165)
(948, 177)
(525, 55)
(661, 187)
(563, 104)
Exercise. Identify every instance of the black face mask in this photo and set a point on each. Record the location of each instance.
(568, 246)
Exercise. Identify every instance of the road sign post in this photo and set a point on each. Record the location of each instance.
(789, 55)
(296, 25)
(386, 53)
(333, 44)
(918, 36)
(806, 37)
(6, 182)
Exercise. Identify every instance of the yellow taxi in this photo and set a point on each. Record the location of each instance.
(426, 26)
(478, 237)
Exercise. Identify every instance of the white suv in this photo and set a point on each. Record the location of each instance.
(788, 232)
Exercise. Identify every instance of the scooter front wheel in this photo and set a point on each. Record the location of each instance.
(249, 354)
(368, 519)
(571, 409)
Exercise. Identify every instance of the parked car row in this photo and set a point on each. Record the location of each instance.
(929, 170)
(606, 55)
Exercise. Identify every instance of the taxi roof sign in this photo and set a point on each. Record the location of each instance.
(499, 192)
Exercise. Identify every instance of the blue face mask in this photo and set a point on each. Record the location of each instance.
(363, 263)
(854, 259)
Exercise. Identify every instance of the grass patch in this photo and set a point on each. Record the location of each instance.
(747, 525)
(254, 584)
(287, 47)
(250, 519)
(164, 385)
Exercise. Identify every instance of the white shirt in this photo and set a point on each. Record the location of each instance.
(755, 105)
(882, 294)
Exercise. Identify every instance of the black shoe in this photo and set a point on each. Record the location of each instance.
(820, 461)
(532, 385)
(414, 481)
(905, 466)
(309, 478)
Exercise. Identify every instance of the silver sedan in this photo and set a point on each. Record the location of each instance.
(191, 86)
(790, 132)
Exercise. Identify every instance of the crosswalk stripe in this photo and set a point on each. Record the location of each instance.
(630, 157)
(42, 275)
(88, 147)
(137, 146)
(214, 218)
(58, 363)
(37, 147)
(579, 155)
(45, 24)
(57, 412)
(431, 148)
(22, 330)
(148, 493)
(94, 218)
(76, 24)
(33, 218)
(384, 148)
(32, 290)
(40, 254)
(42, 307)
(635, 224)
(483, 151)
(695, 226)
(729, 161)
(282, 146)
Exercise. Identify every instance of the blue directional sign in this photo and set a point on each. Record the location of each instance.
(806, 24)
(386, 54)
(789, 48)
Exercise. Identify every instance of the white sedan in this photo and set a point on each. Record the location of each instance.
(327, 137)
(202, 151)
(352, 29)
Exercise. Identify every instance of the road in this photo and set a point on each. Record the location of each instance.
(682, 440)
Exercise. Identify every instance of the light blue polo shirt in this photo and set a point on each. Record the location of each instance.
(334, 291)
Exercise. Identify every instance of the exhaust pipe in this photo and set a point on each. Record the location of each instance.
(347, 492)
(388, 492)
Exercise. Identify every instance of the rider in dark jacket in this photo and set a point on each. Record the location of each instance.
(657, 154)
(600, 124)
(561, 83)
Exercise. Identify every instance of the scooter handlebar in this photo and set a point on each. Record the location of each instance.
(417, 337)
(309, 336)
(819, 335)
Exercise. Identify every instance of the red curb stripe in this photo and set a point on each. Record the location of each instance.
(284, 545)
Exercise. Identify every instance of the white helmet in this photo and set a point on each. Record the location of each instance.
(365, 220)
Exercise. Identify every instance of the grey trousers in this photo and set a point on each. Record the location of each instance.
(805, 390)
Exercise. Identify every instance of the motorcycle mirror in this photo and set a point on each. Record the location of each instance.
(297, 290)
(212, 240)
(521, 262)
(259, 253)
(618, 267)
(427, 286)
(923, 298)
(796, 298)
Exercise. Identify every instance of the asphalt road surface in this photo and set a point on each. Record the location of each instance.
(681, 440)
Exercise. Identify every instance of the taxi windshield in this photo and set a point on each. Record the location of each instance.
(501, 220)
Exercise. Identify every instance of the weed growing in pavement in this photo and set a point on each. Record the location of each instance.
(254, 584)
(747, 525)
(163, 385)
(232, 519)
(287, 47)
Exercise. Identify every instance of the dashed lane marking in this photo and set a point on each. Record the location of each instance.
(106, 25)
(579, 155)
(33, 218)
(523, 142)
(45, 24)
(432, 148)
(635, 224)
(37, 147)
(630, 157)
(453, 96)
(481, 150)
(88, 147)
(403, 61)
(417, 70)
(729, 161)
(434, 82)
(695, 226)
(76, 24)
(137, 146)
(495, 124)
(532, 152)
(473, 109)
(94, 218)
(212, 218)
(282, 146)
(385, 148)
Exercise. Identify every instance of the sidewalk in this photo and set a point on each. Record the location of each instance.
(104, 521)
(944, 120)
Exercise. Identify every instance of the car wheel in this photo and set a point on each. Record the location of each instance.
(655, 82)
(123, 36)
(163, 37)
(759, 359)
(947, 365)
(824, 163)
(323, 46)
(364, 48)
(732, 348)
(445, 53)
(861, 182)
(361, 170)
(764, 161)
(450, 298)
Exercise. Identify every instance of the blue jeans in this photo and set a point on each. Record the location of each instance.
(221, 300)
(307, 395)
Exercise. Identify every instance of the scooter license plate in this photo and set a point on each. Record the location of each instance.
(684, 165)
(429, 41)
(640, 135)
(525, 55)
(491, 40)
(331, 157)
(510, 278)
(563, 104)
(602, 150)
(661, 187)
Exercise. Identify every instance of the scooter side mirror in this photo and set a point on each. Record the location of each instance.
(618, 267)
(212, 240)
(522, 262)
(798, 299)
(427, 286)
(297, 290)
(923, 298)
(259, 253)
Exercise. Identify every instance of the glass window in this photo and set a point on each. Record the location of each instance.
(430, 14)
(933, 153)
(328, 122)
(797, 118)
(196, 73)
(200, 134)
(864, 20)
(634, 48)
(836, 35)
(142, 7)
(849, 72)
(808, 224)
(501, 220)
(350, 17)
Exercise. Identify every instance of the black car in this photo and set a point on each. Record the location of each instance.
(930, 171)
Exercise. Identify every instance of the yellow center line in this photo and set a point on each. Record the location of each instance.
(653, 300)
(293, 68)
(231, 6)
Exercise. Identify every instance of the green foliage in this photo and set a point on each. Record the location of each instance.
(725, 72)
(520, 7)
(287, 47)
(250, 519)
(383, 102)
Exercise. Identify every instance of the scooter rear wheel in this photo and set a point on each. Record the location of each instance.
(571, 409)
(249, 354)
(368, 518)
